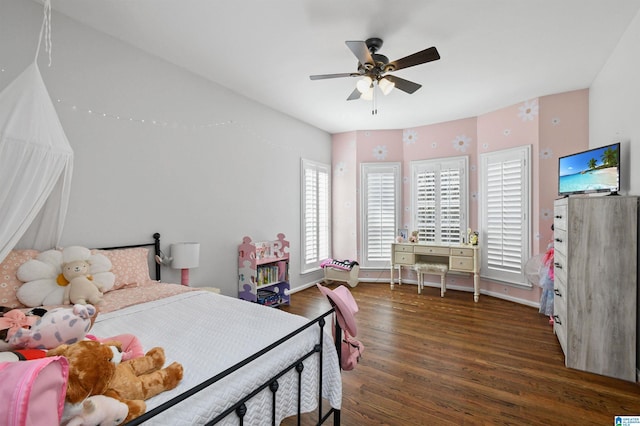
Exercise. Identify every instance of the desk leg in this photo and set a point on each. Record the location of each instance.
(476, 287)
(393, 269)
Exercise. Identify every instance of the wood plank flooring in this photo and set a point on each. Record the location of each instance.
(449, 361)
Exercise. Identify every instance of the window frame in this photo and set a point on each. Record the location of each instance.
(317, 168)
(505, 273)
(438, 164)
(367, 169)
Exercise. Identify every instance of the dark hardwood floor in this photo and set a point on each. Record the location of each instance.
(449, 361)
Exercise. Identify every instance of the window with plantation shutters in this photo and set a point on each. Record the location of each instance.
(505, 214)
(316, 231)
(439, 194)
(380, 191)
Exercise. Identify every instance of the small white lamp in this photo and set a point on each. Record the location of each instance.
(185, 256)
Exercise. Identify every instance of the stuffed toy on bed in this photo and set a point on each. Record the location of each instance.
(95, 410)
(42, 329)
(56, 327)
(80, 286)
(93, 372)
(44, 281)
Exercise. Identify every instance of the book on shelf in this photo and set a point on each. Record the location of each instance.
(268, 274)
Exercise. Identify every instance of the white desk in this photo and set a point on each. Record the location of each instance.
(459, 258)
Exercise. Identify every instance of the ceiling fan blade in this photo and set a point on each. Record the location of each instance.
(325, 76)
(424, 56)
(354, 95)
(360, 49)
(402, 84)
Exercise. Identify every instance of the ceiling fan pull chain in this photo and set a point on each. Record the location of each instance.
(374, 101)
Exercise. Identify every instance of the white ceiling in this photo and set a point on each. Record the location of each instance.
(495, 53)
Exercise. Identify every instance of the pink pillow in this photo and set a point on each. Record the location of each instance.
(9, 283)
(130, 266)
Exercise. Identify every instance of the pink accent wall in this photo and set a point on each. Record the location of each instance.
(564, 128)
(450, 139)
(510, 127)
(553, 125)
(344, 202)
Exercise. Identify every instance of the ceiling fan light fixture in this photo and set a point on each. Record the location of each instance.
(386, 86)
(367, 95)
(364, 84)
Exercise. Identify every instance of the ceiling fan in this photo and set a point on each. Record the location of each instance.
(373, 68)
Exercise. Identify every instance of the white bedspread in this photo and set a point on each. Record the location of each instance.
(208, 333)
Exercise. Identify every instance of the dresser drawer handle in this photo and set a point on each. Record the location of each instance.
(556, 319)
(558, 216)
(558, 240)
(557, 265)
(557, 292)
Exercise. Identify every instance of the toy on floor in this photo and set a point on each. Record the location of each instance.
(347, 271)
(345, 265)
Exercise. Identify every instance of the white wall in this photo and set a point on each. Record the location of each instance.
(614, 105)
(221, 168)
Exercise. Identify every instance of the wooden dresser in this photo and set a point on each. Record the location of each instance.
(595, 271)
(458, 257)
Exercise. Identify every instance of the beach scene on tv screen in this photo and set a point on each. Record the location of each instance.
(595, 170)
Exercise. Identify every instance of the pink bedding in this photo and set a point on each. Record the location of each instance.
(140, 293)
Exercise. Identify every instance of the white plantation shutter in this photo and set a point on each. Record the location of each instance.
(426, 206)
(315, 213)
(505, 236)
(439, 193)
(450, 206)
(381, 212)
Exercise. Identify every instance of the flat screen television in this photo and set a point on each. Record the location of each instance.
(594, 170)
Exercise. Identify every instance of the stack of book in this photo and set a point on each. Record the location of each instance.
(268, 297)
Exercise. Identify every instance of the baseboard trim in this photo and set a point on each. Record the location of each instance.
(437, 285)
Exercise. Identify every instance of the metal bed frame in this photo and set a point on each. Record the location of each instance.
(239, 407)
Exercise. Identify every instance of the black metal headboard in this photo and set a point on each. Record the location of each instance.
(156, 247)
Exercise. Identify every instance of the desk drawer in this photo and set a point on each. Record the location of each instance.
(462, 252)
(403, 248)
(460, 263)
(435, 250)
(400, 258)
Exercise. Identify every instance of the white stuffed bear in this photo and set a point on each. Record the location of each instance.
(81, 288)
(95, 410)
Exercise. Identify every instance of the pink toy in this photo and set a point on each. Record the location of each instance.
(131, 346)
(343, 265)
(56, 327)
(14, 320)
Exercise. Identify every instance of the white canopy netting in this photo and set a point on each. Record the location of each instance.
(36, 163)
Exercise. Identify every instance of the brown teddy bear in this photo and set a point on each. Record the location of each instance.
(93, 372)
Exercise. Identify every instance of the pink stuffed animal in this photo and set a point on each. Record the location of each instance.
(56, 327)
(131, 346)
